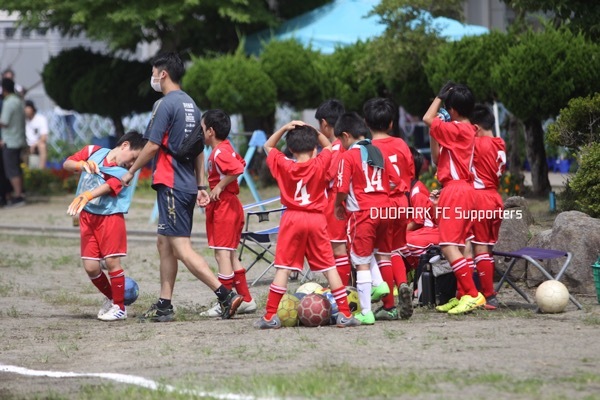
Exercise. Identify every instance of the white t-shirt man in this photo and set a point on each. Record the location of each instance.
(35, 128)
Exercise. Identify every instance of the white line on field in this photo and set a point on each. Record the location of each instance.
(129, 379)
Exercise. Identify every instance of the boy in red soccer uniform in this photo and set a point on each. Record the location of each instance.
(422, 231)
(456, 140)
(489, 161)
(327, 115)
(102, 202)
(302, 230)
(379, 115)
(363, 182)
(225, 213)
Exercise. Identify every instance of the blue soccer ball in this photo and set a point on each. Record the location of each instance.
(132, 291)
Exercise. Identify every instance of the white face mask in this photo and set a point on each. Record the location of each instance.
(155, 84)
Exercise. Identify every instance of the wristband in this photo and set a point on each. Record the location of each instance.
(202, 187)
(88, 195)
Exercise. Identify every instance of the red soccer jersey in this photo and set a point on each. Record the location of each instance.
(422, 208)
(397, 151)
(367, 186)
(489, 162)
(85, 153)
(336, 155)
(456, 141)
(225, 161)
(302, 185)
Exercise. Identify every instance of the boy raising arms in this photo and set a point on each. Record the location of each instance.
(327, 115)
(225, 213)
(455, 140)
(302, 230)
(102, 202)
(379, 115)
(363, 182)
(489, 161)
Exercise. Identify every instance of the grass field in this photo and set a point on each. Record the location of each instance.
(47, 323)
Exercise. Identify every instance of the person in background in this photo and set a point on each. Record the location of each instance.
(12, 122)
(36, 131)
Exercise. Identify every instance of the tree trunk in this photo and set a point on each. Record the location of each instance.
(514, 132)
(536, 154)
(119, 128)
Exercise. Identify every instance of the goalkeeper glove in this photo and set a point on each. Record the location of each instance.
(79, 202)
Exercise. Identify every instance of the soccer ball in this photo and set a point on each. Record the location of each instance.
(334, 307)
(287, 311)
(552, 297)
(132, 291)
(314, 310)
(309, 287)
(299, 295)
(353, 301)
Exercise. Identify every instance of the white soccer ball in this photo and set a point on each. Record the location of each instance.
(552, 297)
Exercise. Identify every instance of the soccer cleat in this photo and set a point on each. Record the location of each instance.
(386, 315)
(365, 319)
(230, 305)
(467, 304)
(156, 314)
(405, 306)
(453, 302)
(377, 292)
(106, 305)
(346, 322)
(492, 303)
(273, 323)
(114, 314)
(214, 311)
(247, 307)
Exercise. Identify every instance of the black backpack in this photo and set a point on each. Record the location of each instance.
(191, 146)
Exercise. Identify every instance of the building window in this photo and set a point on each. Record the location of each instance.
(9, 32)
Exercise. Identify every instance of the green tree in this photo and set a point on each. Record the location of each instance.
(578, 124)
(577, 15)
(88, 82)
(179, 25)
(340, 78)
(537, 77)
(586, 182)
(292, 67)
(235, 83)
(399, 54)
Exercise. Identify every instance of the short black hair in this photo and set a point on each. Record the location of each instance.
(8, 85)
(170, 62)
(218, 120)
(418, 159)
(461, 99)
(136, 140)
(301, 139)
(353, 124)
(379, 113)
(483, 116)
(30, 103)
(330, 110)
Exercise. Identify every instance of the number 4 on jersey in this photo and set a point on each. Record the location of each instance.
(301, 194)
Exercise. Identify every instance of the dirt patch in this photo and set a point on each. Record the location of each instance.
(48, 307)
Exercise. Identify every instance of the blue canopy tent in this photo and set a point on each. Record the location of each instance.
(344, 22)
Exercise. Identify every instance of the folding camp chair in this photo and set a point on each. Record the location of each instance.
(261, 242)
(532, 255)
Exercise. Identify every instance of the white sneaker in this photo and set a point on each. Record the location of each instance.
(106, 305)
(247, 307)
(114, 314)
(214, 311)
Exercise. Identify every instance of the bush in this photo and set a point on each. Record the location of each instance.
(511, 185)
(586, 182)
(578, 124)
